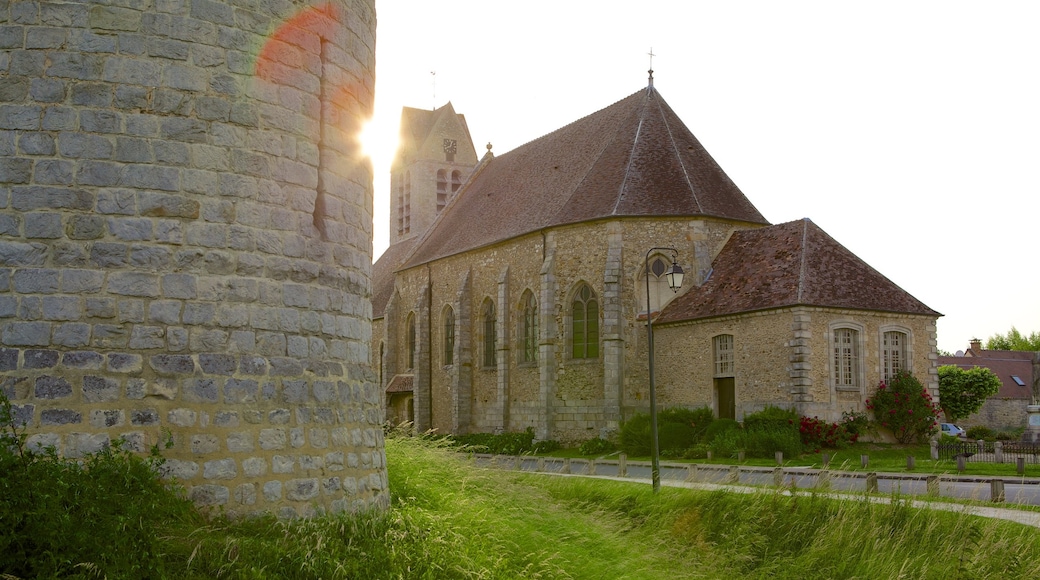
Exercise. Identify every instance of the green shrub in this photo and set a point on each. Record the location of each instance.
(857, 424)
(596, 446)
(498, 444)
(697, 451)
(699, 419)
(674, 439)
(1008, 436)
(547, 446)
(677, 429)
(980, 432)
(719, 426)
(765, 442)
(904, 407)
(772, 418)
(63, 517)
(635, 436)
(727, 442)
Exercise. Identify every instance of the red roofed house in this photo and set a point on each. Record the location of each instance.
(1018, 379)
(523, 303)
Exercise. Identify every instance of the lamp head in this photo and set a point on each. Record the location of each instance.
(674, 275)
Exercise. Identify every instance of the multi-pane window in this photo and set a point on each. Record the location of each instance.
(528, 328)
(584, 324)
(893, 353)
(411, 341)
(723, 355)
(449, 336)
(406, 209)
(846, 357)
(490, 359)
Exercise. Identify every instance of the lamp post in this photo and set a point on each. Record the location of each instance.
(674, 276)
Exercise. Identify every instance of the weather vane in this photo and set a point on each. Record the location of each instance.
(651, 71)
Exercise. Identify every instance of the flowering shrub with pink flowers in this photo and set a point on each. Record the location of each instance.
(904, 407)
(817, 434)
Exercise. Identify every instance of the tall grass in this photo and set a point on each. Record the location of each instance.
(451, 520)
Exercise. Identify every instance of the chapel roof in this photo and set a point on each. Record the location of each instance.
(634, 158)
(789, 264)
(383, 274)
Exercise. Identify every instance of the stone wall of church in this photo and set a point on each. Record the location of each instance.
(186, 242)
(511, 395)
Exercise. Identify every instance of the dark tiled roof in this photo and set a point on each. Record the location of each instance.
(1004, 364)
(416, 125)
(633, 158)
(400, 384)
(789, 264)
(383, 274)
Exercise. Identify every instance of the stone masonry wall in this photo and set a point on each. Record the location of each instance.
(185, 242)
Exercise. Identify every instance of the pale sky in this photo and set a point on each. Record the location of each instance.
(908, 131)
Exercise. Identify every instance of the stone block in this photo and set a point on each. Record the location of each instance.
(36, 281)
(182, 417)
(204, 444)
(134, 284)
(26, 333)
(53, 417)
(79, 445)
(100, 389)
(240, 442)
(177, 364)
(273, 438)
(207, 495)
(283, 464)
(40, 358)
(121, 362)
(220, 469)
(106, 418)
(273, 491)
(62, 308)
(42, 225)
(179, 469)
(82, 281)
(302, 489)
(147, 337)
(72, 335)
(254, 467)
(144, 417)
(84, 360)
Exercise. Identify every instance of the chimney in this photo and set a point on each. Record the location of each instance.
(976, 345)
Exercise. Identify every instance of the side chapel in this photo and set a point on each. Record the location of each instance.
(514, 291)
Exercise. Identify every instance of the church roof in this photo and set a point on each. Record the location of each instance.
(383, 274)
(633, 158)
(417, 125)
(790, 264)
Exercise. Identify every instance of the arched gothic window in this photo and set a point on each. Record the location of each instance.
(489, 359)
(584, 324)
(411, 341)
(528, 328)
(449, 336)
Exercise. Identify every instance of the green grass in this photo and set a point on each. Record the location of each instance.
(451, 520)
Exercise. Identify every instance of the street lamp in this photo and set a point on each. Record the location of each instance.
(674, 276)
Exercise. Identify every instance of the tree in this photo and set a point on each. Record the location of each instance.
(963, 391)
(1014, 340)
(904, 407)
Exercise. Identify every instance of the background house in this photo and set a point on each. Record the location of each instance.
(1017, 372)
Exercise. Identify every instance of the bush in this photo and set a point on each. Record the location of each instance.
(817, 434)
(596, 446)
(765, 442)
(547, 446)
(698, 451)
(699, 419)
(857, 424)
(727, 442)
(677, 430)
(719, 426)
(980, 432)
(771, 419)
(500, 444)
(904, 407)
(63, 517)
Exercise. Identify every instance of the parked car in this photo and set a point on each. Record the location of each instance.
(952, 430)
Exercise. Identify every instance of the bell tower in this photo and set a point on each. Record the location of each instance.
(435, 157)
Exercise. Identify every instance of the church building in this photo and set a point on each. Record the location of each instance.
(516, 289)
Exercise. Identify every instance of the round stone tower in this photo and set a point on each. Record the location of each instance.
(185, 242)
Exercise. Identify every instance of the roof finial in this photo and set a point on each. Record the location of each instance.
(651, 71)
